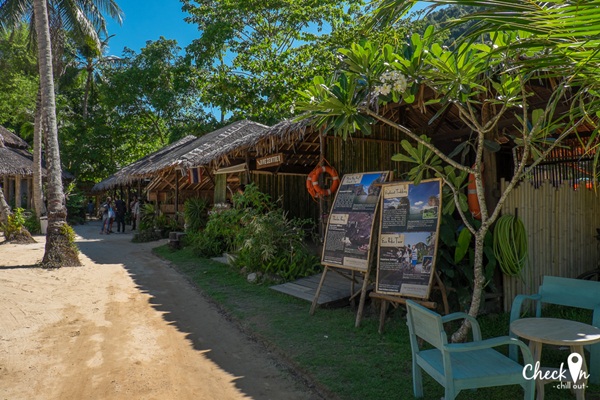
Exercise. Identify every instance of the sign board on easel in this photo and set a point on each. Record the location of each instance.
(351, 220)
(408, 237)
(349, 233)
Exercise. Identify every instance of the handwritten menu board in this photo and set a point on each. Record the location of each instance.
(408, 236)
(350, 225)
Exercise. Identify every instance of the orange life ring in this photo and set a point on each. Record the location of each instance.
(472, 198)
(312, 182)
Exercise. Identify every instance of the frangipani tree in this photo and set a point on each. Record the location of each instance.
(483, 82)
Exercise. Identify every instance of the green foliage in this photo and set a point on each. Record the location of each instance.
(196, 213)
(455, 261)
(14, 224)
(257, 54)
(18, 80)
(154, 225)
(273, 244)
(32, 223)
(263, 238)
(75, 204)
(67, 231)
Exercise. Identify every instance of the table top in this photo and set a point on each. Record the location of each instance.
(556, 331)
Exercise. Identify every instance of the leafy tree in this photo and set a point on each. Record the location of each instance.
(18, 81)
(154, 92)
(479, 82)
(255, 53)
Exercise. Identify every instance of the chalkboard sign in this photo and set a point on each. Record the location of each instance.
(350, 225)
(408, 233)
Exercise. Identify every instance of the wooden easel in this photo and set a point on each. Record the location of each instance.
(396, 300)
(353, 294)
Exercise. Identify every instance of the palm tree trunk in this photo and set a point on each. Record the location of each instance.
(4, 208)
(38, 198)
(59, 251)
(86, 94)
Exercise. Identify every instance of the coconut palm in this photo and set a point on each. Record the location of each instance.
(85, 19)
(90, 58)
(59, 251)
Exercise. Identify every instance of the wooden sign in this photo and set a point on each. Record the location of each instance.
(350, 226)
(408, 237)
(269, 161)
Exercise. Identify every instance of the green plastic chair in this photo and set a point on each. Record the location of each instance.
(459, 366)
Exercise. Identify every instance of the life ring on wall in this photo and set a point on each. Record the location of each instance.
(472, 198)
(312, 182)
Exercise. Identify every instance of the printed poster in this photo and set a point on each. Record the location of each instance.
(408, 232)
(350, 225)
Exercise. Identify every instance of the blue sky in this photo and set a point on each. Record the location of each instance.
(149, 20)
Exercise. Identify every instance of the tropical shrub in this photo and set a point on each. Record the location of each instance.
(14, 224)
(154, 225)
(261, 235)
(32, 223)
(195, 213)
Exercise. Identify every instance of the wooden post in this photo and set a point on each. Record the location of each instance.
(30, 203)
(246, 175)
(321, 200)
(176, 195)
(318, 292)
(18, 197)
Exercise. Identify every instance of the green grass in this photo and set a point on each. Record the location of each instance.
(344, 361)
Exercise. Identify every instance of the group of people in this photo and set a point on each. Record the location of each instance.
(112, 211)
(408, 257)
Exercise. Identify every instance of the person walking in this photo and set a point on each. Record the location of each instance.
(90, 209)
(105, 215)
(120, 210)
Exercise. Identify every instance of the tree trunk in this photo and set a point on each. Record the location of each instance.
(38, 197)
(60, 251)
(478, 284)
(4, 208)
(86, 93)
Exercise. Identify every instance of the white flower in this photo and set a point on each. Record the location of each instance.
(385, 89)
(392, 81)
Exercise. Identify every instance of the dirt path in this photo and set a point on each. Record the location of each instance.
(124, 326)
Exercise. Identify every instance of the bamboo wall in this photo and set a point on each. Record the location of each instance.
(561, 227)
(291, 190)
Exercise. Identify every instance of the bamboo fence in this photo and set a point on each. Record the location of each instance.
(561, 228)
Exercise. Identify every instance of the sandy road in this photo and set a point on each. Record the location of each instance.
(123, 326)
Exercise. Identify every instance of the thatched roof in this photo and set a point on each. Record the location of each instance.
(189, 151)
(14, 157)
(9, 139)
(15, 162)
(130, 172)
(214, 146)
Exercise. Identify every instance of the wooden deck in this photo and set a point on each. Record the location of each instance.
(336, 288)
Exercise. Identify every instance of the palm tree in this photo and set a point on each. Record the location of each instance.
(91, 57)
(59, 251)
(85, 19)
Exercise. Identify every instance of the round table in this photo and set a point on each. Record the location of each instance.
(560, 332)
